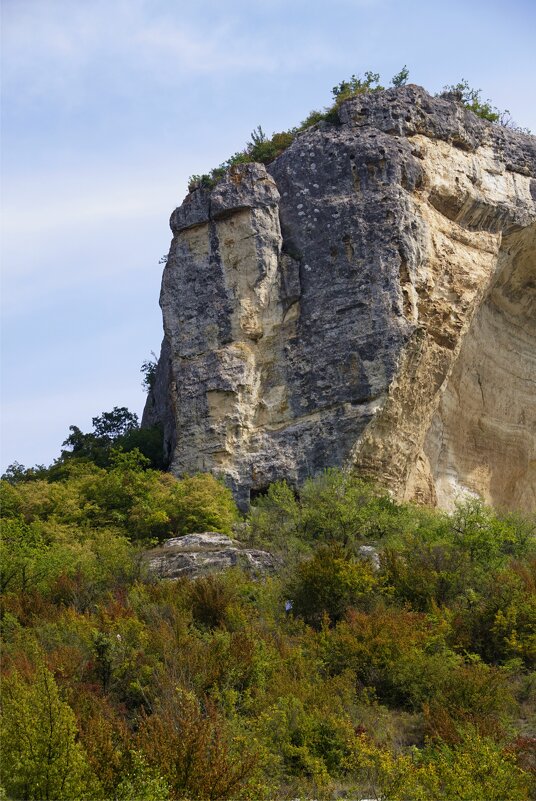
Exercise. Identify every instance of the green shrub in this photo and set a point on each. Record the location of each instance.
(141, 783)
(41, 759)
(275, 518)
(265, 150)
(309, 740)
(329, 584)
(127, 496)
(402, 656)
(197, 752)
(403, 682)
(211, 597)
(499, 622)
(401, 78)
(474, 694)
(335, 506)
(340, 507)
(471, 99)
(357, 86)
(451, 558)
(201, 503)
(475, 769)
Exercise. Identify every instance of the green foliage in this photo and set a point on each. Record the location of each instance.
(148, 369)
(335, 506)
(16, 472)
(310, 740)
(356, 86)
(456, 560)
(141, 783)
(407, 679)
(201, 503)
(488, 538)
(128, 496)
(41, 759)
(265, 149)
(401, 656)
(499, 621)
(471, 99)
(472, 693)
(275, 518)
(329, 584)
(197, 752)
(149, 441)
(108, 430)
(260, 149)
(114, 424)
(312, 119)
(111, 431)
(28, 561)
(476, 769)
(401, 78)
(211, 597)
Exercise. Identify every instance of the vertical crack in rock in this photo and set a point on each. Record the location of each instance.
(367, 300)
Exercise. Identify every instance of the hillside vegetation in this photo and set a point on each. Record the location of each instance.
(411, 680)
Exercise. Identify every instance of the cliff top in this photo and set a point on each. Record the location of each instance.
(456, 115)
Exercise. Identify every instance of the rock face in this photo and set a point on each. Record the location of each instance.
(208, 552)
(367, 300)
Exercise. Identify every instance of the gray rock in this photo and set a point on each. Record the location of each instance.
(208, 552)
(202, 541)
(370, 554)
(335, 308)
(247, 186)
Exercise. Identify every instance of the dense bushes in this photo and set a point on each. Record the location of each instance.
(39, 749)
(334, 507)
(329, 584)
(404, 677)
(475, 769)
(127, 496)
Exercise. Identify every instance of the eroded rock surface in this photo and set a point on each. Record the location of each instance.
(207, 552)
(368, 300)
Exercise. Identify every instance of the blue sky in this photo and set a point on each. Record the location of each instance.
(108, 107)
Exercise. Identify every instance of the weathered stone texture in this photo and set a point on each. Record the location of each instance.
(206, 552)
(368, 300)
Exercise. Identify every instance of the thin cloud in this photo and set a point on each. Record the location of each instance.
(51, 47)
(67, 264)
(64, 232)
(74, 207)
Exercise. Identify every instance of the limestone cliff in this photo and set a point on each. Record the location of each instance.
(367, 300)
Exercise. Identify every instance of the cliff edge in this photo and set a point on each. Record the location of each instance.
(367, 300)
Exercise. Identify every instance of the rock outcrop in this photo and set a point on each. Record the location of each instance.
(208, 552)
(367, 300)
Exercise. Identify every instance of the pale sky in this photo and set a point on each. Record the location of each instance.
(109, 105)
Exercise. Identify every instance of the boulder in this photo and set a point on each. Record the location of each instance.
(208, 552)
